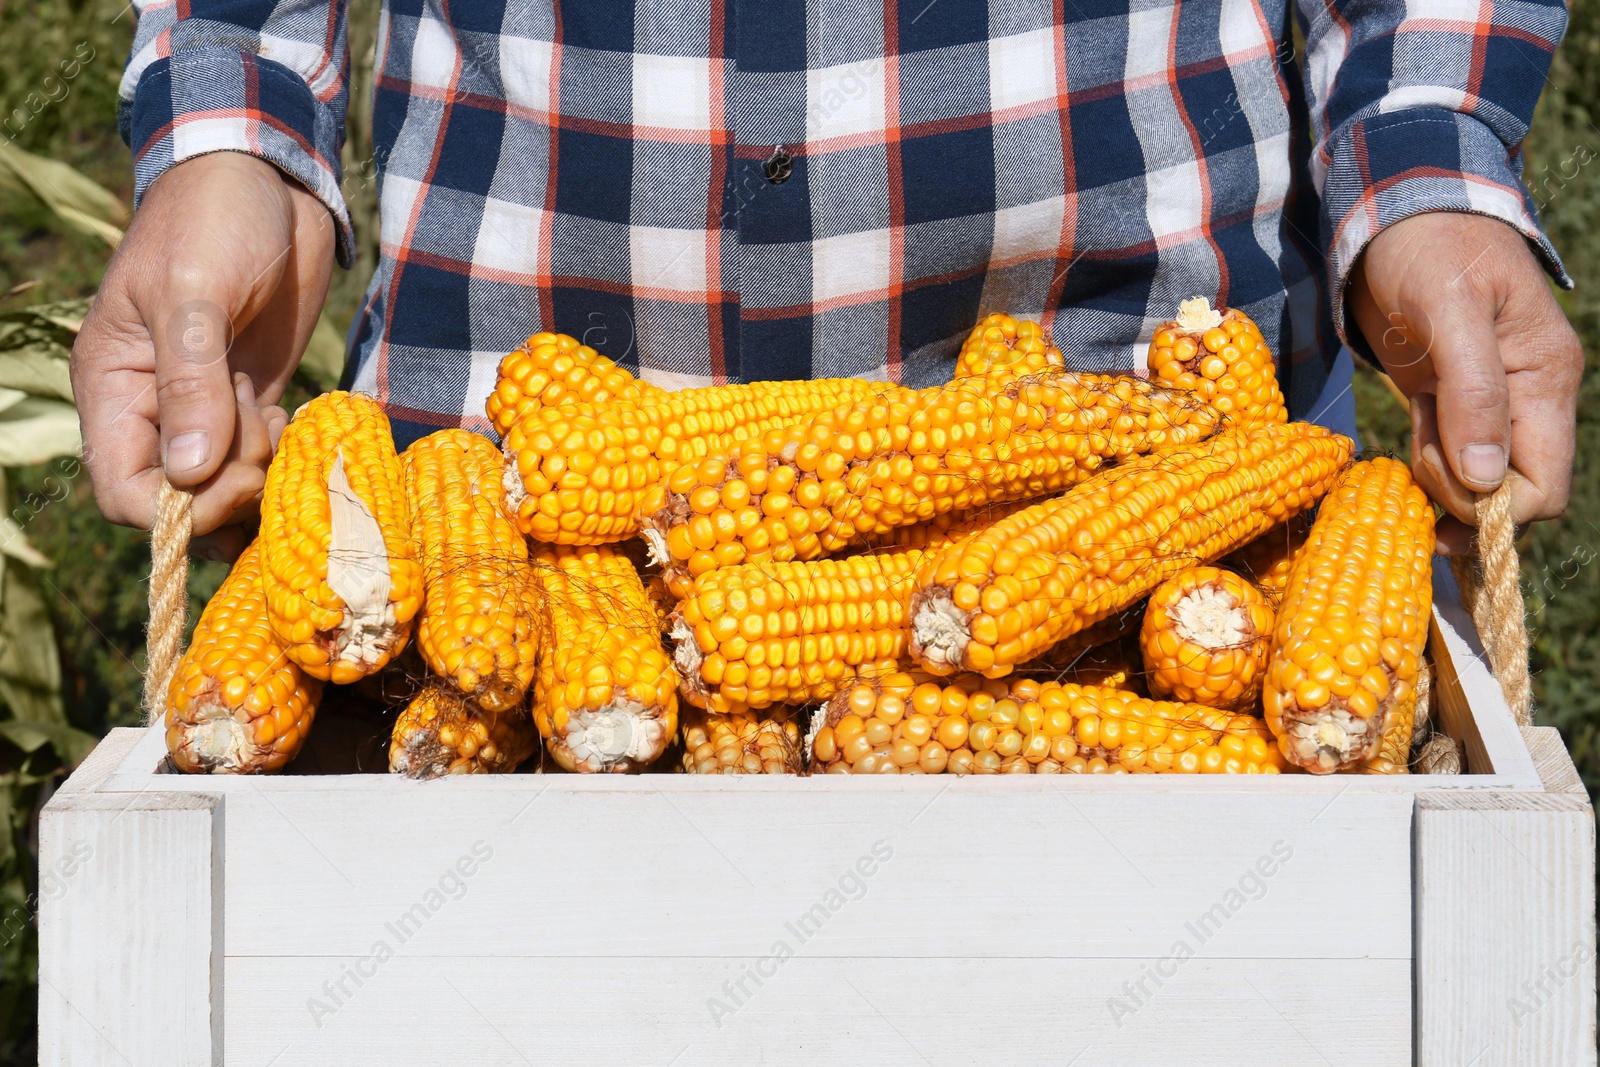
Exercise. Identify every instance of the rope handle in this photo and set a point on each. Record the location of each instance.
(1491, 590)
(169, 596)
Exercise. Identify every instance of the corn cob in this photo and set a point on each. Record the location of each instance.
(1002, 343)
(441, 733)
(939, 531)
(885, 462)
(606, 697)
(1354, 621)
(1116, 664)
(741, 742)
(1267, 559)
(480, 620)
(237, 704)
(336, 556)
(906, 724)
(553, 368)
(1222, 356)
(1001, 597)
(584, 473)
(1394, 749)
(1206, 637)
(792, 632)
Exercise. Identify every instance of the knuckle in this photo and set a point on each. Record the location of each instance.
(183, 276)
(113, 503)
(184, 390)
(1483, 393)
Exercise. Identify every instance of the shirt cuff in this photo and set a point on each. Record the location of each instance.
(222, 100)
(1388, 167)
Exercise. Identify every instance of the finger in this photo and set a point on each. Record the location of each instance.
(1545, 364)
(223, 545)
(234, 492)
(254, 438)
(113, 384)
(1474, 398)
(193, 386)
(1454, 537)
(1429, 466)
(277, 421)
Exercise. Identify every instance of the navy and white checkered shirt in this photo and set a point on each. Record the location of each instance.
(731, 190)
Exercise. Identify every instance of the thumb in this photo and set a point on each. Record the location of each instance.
(1474, 409)
(194, 390)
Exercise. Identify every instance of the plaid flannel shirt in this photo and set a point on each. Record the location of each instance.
(757, 189)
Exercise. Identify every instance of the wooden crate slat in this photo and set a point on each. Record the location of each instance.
(692, 875)
(636, 1011)
(130, 931)
(1505, 929)
(1471, 706)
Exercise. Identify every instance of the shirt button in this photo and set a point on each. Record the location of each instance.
(779, 166)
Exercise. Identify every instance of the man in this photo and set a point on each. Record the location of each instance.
(748, 189)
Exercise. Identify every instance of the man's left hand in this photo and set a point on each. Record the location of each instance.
(1461, 315)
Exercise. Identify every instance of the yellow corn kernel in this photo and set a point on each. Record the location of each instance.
(792, 632)
(910, 723)
(606, 698)
(582, 473)
(441, 732)
(1002, 343)
(1003, 596)
(237, 704)
(337, 561)
(1266, 560)
(741, 741)
(1353, 625)
(553, 368)
(939, 531)
(1206, 637)
(1394, 749)
(481, 617)
(869, 467)
(1221, 355)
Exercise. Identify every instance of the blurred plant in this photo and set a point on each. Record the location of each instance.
(38, 424)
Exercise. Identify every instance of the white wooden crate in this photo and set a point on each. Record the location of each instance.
(662, 919)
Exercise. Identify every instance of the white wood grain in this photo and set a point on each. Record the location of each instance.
(820, 1012)
(105, 758)
(1553, 762)
(645, 873)
(130, 930)
(1472, 708)
(1505, 930)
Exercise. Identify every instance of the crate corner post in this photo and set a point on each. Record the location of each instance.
(130, 922)
(1504, 928)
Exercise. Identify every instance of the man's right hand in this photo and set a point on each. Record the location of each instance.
(202, 317)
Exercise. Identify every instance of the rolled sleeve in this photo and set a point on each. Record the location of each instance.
(1388, 167)
(1422, 105)
(263, 77)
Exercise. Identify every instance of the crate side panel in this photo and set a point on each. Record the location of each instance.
(811, 1011)
(129, 930)
(947, 873)
(1505, 929)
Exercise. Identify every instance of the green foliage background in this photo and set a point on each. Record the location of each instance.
(94, 603)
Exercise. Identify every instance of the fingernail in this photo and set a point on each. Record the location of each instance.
(187, 451)
(1483, 465)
